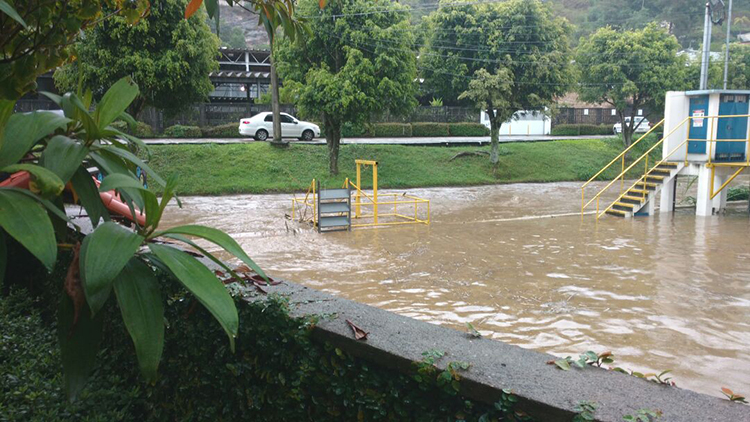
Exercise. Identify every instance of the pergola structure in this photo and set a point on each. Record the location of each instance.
(243, 75)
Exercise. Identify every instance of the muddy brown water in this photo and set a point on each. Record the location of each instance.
(519, 263)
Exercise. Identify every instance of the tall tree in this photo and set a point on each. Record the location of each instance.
(357, 62)
(35, 36)
(630, 70)
(167, 56)
(502, 57)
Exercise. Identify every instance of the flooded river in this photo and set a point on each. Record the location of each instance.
(668, 292)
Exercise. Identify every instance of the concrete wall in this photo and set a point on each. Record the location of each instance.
(676, 109)
(545, 392)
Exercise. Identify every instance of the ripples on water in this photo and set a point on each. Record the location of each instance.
(668, 292)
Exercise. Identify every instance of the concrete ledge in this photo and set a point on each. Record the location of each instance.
(545, 392)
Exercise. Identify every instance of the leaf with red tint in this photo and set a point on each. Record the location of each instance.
(73, 286)
(219, 273)
(727, 391)
(359, 333)
(322, 3)
(192, 7)
(260, 288)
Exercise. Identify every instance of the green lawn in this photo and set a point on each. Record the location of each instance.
(260, 168)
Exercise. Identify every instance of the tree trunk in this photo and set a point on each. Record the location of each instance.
(136, 107)
(333, 139)
(494, 140)
(275, 100)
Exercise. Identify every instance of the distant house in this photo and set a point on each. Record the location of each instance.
(744, 38)
(243, 75)
(572, 110)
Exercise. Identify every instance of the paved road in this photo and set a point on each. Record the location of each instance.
(448, 140)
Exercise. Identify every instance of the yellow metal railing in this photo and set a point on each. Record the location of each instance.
(305, 204)
(408, 200)
(643, 179)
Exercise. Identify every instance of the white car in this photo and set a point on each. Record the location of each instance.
(260, 127)
(644, 127)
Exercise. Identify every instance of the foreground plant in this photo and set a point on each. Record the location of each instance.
(732, 396)
(643, 415)
(587, 358)
(56, 152)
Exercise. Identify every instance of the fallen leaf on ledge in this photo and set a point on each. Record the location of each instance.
(359, 333)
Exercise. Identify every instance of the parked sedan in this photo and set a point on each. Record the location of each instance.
(260, 127)
(644, 127)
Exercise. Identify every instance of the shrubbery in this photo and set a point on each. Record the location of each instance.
(229, 130)
(180, 131)
(429, 129)
(277, 373)
(386, 130)
(353, 130)
(580, 129)
(468, 129)
(141, 130)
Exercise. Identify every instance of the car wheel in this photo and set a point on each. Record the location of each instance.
(261, 135)
(308, 135)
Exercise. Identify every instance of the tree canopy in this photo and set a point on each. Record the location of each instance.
(168, 56)
(35, 37)
(630, 70)
(357, 62)
(501, 57)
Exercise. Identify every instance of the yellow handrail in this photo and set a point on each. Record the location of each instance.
(622, 153)
(625, 170)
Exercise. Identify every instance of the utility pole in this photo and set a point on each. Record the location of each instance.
(726, 52)
(707, 24)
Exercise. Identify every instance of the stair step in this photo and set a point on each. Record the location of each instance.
(334, 194)
(617, 213)
(331, 207)
(632, 199)
(326, 222)
(655, 177)
(636, 191)
(669, 164)
(648, 185)
(661, 171)
(624, 206)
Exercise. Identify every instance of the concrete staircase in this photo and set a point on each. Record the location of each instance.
(645, 190)
(334, 210)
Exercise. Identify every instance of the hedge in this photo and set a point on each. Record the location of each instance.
(386, 130)
(278, 371)
(229, 130)
(141, 130)
(468, 129)
(429, 129)
(180, 131)
(580, 129)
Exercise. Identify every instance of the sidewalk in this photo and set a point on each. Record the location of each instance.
(447, 140)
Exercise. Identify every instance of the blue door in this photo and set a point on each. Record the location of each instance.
(698, 107)
(732, 128)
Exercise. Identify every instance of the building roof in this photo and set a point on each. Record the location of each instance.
(717, 91)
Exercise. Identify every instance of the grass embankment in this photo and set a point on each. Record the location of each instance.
(260, 168)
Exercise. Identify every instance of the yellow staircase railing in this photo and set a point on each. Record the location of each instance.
(644, 158)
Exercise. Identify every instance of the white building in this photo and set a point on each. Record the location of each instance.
(522, 123)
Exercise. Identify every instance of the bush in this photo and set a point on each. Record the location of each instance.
(468, 129)
(180, 131)
(391, 129)
(579, 129)
(277, 373)
(429, 129)
(354, 130)
(141, 130)
(229, 130)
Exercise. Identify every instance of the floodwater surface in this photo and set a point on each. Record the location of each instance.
(665, 292)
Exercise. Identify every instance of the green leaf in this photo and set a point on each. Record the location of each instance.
(46, 181)
(6, 110)
(201, 282)
(121, 181)
(129, 156)
(85, 188)
(112, 164)
(104, 253)
(63, 156)
(74, 108)
(54, 209)
(23, 130)
(563, 364)
(3, 256)
(10, 11)
(204, 253)
(27, 222)
(219, 238)
(139, 298)
(117, 98)
(79, 345)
